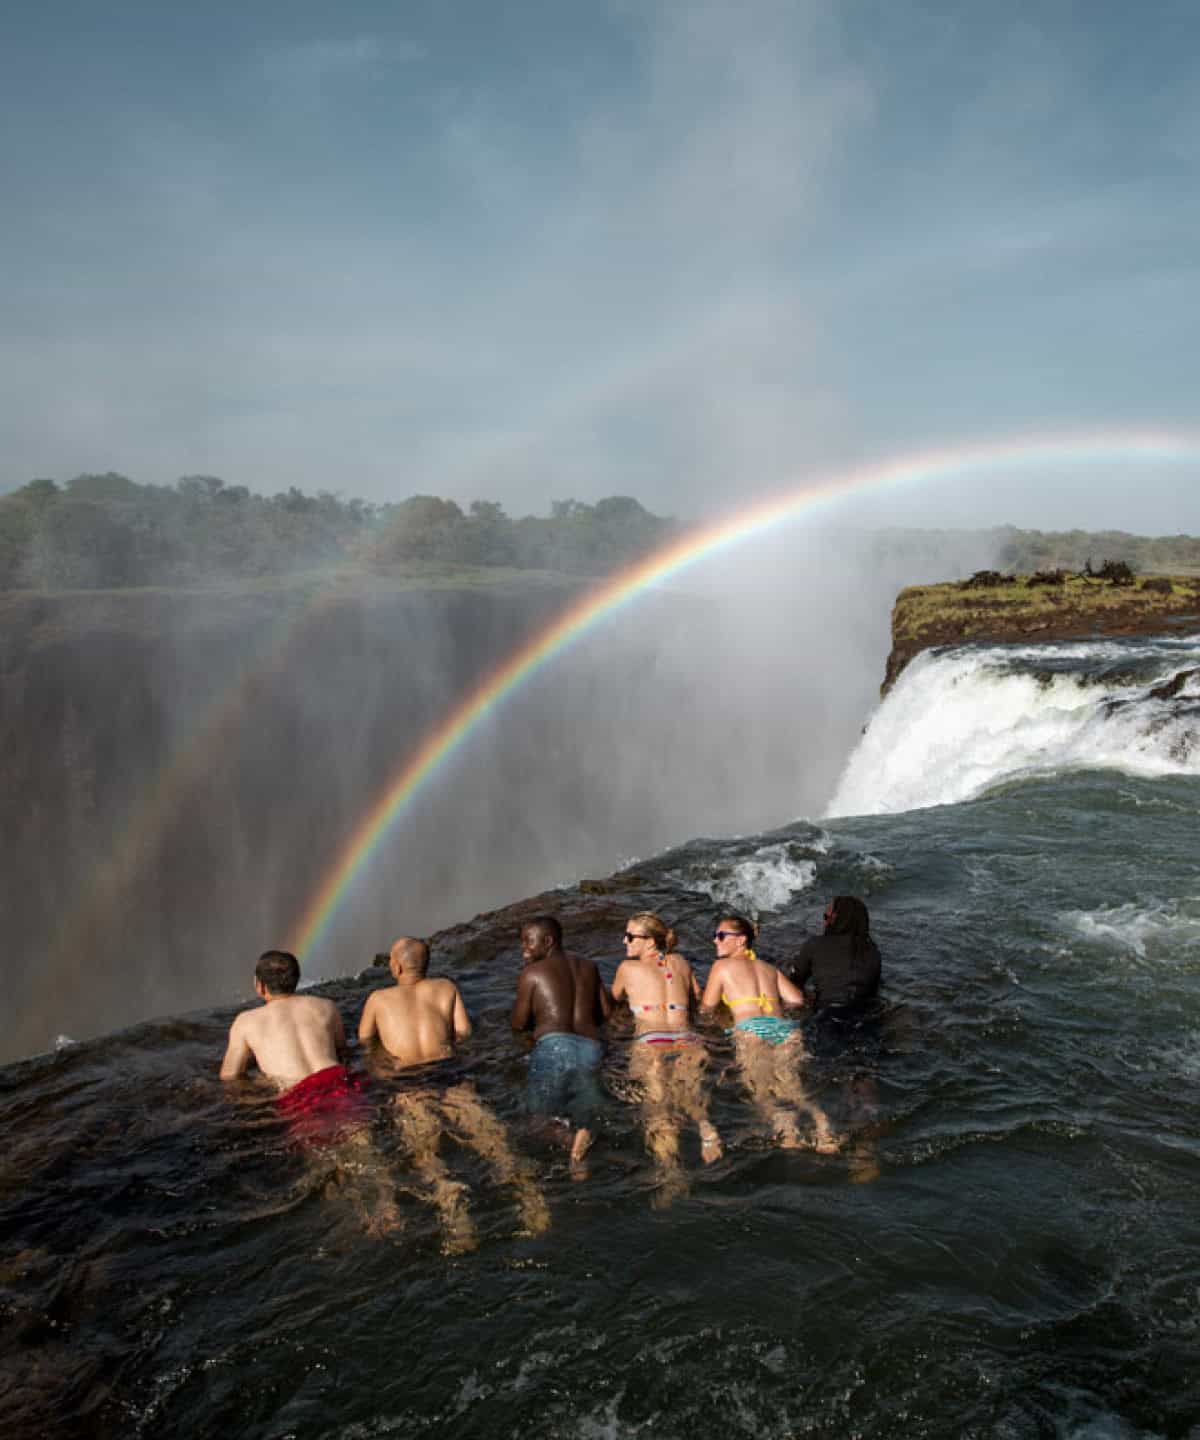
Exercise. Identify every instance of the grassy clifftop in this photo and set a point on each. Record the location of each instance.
(1006, 609)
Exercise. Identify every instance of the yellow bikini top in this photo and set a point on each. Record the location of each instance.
(765, 1003)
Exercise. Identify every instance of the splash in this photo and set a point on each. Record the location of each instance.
(605, 600)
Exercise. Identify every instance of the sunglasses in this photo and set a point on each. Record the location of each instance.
(629, 937)
(728, 935)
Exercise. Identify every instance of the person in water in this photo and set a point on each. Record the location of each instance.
(564, 1000)
(417, 1021)
(668, 1057)
(768, 1042)
(419, 1018)
(299, 1044)
(843, 964)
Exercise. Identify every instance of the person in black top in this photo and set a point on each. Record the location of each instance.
(843, 963)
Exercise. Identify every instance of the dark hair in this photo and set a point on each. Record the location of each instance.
(550, 925)
(747, 929)
(850, 917)
(278, 971)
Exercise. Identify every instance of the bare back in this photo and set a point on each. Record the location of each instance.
(660, 993)
(749, 986)
(290, 1037)
(416, 1022)
(560, 994)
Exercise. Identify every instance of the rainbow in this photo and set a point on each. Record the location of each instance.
(420, 767)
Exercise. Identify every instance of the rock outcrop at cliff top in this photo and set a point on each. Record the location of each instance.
(1014, 609)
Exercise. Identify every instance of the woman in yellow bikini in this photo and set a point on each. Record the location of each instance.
(768, 1044)
(667, 1057)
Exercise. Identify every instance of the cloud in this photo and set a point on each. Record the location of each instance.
(312, 64)
(726, 250)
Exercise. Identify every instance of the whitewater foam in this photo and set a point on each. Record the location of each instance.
(958, 722)
(1158, 927)
(765, 881)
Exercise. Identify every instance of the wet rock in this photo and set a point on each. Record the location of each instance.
(613, 885)
(1170, 688)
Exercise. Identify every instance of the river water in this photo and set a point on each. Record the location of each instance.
(1008, 1243)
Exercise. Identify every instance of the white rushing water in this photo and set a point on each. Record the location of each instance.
(961, 721)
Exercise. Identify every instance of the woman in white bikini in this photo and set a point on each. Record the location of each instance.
(668, 1057)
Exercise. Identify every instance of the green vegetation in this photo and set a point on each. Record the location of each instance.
(107, 532)
(1028, 551)
(1046, 605)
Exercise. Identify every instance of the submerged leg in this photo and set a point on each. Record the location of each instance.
(420, 1127)
(758, 1064)
(786, 1084)
(692, 1099)
(659, 1124)
(486, 1135)
(360, 1167)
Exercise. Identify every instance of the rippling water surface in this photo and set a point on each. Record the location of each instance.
(1008, 1245)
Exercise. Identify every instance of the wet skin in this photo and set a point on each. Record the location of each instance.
(557, 993)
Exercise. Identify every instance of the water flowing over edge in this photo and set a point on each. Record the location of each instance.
(963, 720)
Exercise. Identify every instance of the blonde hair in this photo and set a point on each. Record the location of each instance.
(662, 934)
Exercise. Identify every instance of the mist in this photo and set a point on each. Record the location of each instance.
(191, 763)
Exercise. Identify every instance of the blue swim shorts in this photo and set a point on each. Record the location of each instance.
(564, 1077)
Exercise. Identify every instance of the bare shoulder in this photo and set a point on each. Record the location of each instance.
(243, 1023)
(680, 961)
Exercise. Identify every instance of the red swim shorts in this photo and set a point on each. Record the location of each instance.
(323, 1105)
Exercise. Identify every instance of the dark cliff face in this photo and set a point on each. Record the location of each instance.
(177, 772)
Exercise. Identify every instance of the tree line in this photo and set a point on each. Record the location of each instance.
(1026, 552)
(109, 532)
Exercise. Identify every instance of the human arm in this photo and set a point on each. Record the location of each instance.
(368, 1025)
(462, 1021)
(238, 1053)
(800, 968)
(618, 985)
(693, 983)
(522, 1011)
(713, 987)
(790, 994)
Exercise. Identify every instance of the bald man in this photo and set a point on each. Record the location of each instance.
(419, 1018)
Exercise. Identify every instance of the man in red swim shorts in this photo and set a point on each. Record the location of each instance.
(298, 1042)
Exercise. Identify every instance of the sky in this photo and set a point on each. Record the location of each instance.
(691, 252)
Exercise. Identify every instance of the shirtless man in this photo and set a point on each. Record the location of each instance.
(417, 1021)
(298, 1042)
(419, 1018)
(563, 999)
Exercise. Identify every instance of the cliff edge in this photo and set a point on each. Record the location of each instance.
(1048, 606)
